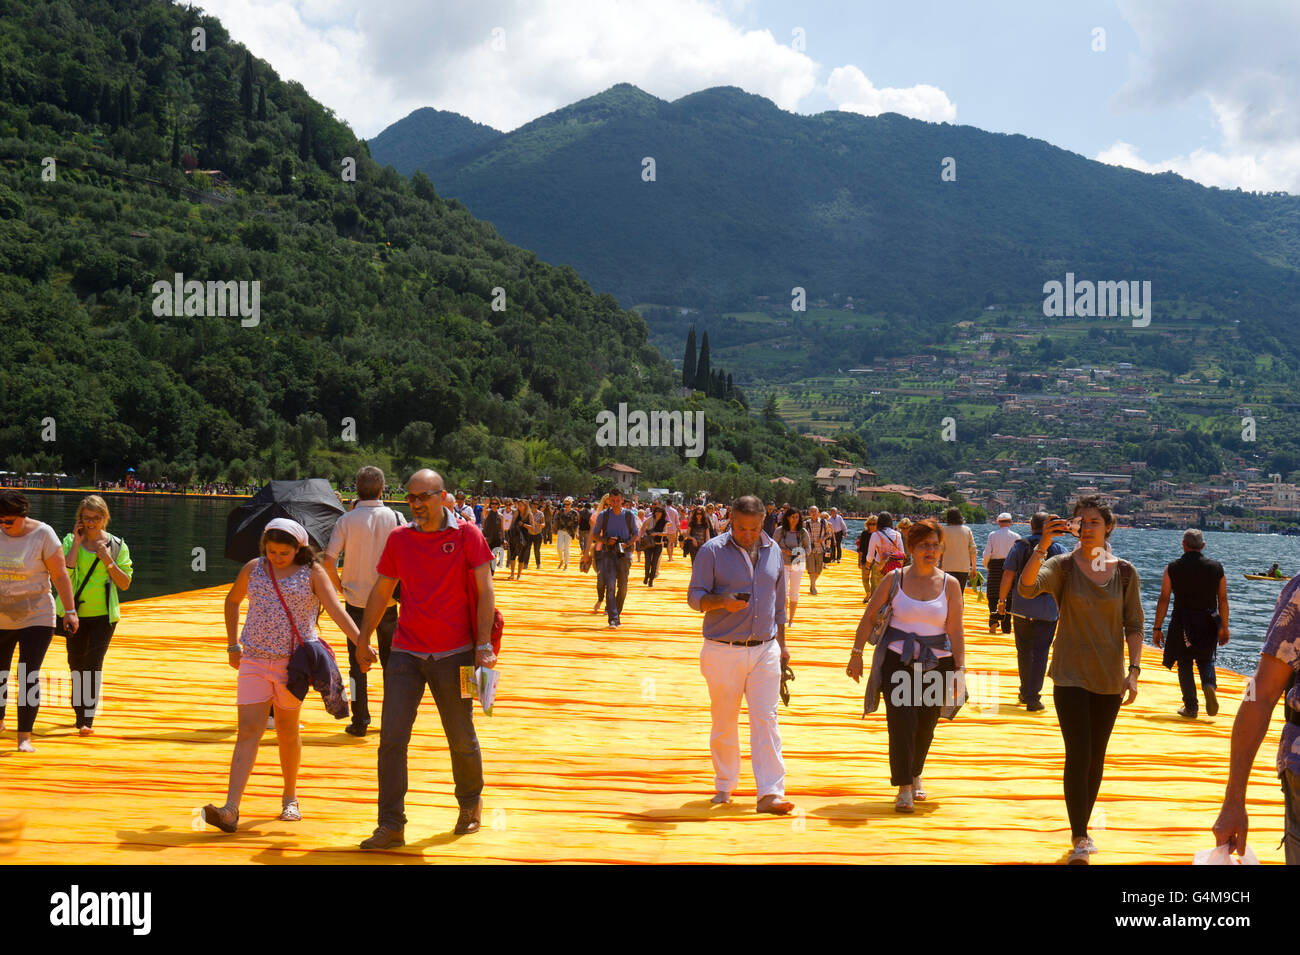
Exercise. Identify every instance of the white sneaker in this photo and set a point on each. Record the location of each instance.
(1079, 855)
(1090, 845)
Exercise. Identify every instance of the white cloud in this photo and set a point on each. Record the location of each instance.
(1240, 61)
(849, 87)
(374, 63)
(1266, 171)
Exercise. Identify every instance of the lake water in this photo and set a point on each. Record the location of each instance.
(163, 532)
(1250, 602)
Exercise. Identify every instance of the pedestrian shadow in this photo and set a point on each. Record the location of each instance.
(852, 815)
(213, 735)
(1175, 718)
(697, 810)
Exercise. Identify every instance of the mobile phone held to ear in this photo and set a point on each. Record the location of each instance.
(743, 596)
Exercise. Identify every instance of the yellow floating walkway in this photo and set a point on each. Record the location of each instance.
(598, 752)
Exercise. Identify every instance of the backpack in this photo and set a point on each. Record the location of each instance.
(895, 560)
(604, 524)
(498, 622)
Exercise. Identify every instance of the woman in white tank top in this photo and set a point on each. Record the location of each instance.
(924, 640)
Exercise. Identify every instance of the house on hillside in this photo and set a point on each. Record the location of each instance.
(623, 476)
(843, 480)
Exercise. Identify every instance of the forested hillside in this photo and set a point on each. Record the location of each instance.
(138, 142)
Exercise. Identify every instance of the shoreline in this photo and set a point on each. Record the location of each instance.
(122, 492)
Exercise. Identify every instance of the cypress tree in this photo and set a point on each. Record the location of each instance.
(176, 146)
(703, 376)
(731, 388)
(246, 87)
(719, 385)
(304, 142)
(688, 362)
(261, 104)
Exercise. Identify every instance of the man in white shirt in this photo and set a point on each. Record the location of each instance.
(463, 509)
(839, 529)
(359, 537)
(996, 549)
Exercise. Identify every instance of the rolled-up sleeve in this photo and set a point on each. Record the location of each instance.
(1134, 618)
(701, 578)
(1049, 580)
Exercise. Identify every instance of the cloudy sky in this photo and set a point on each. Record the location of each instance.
(1207, 88)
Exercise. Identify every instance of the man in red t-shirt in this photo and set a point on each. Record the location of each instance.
(435, 558)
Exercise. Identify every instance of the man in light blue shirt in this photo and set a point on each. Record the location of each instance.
(738, 583)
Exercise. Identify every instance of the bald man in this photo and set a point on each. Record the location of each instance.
(436, 636)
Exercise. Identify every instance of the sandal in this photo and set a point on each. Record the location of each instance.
(290, 812)
(918, 791)
(903, 802)
(213, 817)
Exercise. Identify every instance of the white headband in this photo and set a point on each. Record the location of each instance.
(292, 528)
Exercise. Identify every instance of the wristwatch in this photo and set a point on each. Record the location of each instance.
(483, 646)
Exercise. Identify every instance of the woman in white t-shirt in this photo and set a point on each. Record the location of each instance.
(31, 558)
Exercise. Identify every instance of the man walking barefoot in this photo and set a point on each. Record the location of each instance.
(738, 583)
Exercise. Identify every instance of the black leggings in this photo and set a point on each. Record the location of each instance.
(1086, 720)
(652, 555)
(910, 722)
(86, 649)
(32, 642)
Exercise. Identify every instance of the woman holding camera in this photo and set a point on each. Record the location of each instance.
(1100, 610)
(30, 560)
(100, 566)
(792, 537)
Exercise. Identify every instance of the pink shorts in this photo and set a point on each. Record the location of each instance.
(261, 680)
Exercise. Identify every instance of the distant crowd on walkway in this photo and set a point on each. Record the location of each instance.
(426, 589)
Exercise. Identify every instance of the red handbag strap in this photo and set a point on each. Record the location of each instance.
(470, 587)
(270, 572)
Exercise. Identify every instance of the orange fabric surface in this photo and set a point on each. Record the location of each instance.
(598, 752)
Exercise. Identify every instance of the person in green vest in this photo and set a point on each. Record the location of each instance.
(99, 565)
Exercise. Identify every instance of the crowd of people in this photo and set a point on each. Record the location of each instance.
(426, 589)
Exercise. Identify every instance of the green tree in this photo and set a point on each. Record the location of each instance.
(703, 375)
(688, 360)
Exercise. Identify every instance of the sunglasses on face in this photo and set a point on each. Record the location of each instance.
(423, 498)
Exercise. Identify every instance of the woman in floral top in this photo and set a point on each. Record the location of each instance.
(262, 655)
(1278, 674)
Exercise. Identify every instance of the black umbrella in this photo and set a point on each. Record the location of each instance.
(312, 503)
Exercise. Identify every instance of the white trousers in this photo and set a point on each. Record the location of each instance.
(793, 578)
(562, 541)
(755, 674)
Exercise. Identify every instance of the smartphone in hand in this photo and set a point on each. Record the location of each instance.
(743, 596)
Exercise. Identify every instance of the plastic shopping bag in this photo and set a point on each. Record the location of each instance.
(1220, 855)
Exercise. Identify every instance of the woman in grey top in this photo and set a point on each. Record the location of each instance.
(1100, 609)
(792, 538)
(31, 558)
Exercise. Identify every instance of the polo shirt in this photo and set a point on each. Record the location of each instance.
(434, 619)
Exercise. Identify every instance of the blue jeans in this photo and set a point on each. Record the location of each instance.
(357, 678)
(405, 678)
(1033, 642)
(1187, 681)
(614, 572)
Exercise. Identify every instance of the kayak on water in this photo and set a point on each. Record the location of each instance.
(1263, 577)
